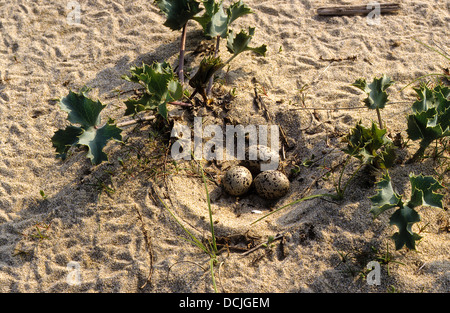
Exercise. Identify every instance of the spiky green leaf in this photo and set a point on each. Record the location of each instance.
(62, 140)
(237, 10)
(86, 112)
(376, 91)
(424, 191)
(404, 218)
(96, 139)
(214, 20)
(160, 85)
(370, 145)
(81, 110)
(385, 198)
(238, 43)
(431, 116)
(178, 12)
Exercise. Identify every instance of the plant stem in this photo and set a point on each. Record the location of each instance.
(211, 224)
(182, 51)
(211, 266)
(379, 118)
(183, 104)
(216, 52)
(419, 153)
(135, 121)
(229, 60)
(339, 190)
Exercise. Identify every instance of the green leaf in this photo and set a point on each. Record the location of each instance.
(96, 139)
(161, 87)
(430, 98)
(63, 139)
(385, 198)
(371, 146)
(431, 116)
(237, 10)
(237, 44)
(86, 112)
(175, 90)
(178, 12)
(423, 191)
(208, 66)
(376, 91)
(138, 105)
(214, 21)
(81, 109)
(404, 218)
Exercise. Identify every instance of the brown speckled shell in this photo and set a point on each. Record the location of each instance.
(237, 180)
(271, 184)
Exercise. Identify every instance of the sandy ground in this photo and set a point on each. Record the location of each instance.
(105, 223)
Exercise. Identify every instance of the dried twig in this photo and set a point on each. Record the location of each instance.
(358, 9)
(261, 245)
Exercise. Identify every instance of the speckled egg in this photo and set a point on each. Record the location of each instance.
(266, 159)
(237, 180)
(271, 184)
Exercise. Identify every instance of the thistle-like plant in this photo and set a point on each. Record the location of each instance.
(160, 88)
(370, 146)
(430, 120)
(178, 13)
(423, 193)
(86, 113)
(236, 44)
(215, 22)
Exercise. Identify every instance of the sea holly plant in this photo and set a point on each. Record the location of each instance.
(370, 146)
(423, 193)
(215, 22)
(85, 113)
(178, 13)
(236, 44)
(160, 88)
(377, 96)
(430, 120)
(208, 66)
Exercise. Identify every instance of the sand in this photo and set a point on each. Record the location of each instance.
(102, 229)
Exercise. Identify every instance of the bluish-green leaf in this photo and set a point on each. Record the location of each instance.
(370, 145)
(423, 191)
(161, 87)
(431, 116)
(385, 198)
(376, 91)
(214, 20)
(178, 12)
(81, 109)
(237, 10)
(404, 218)
(238, 43)
(86, 112)
(62, 140)
(96, 139)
